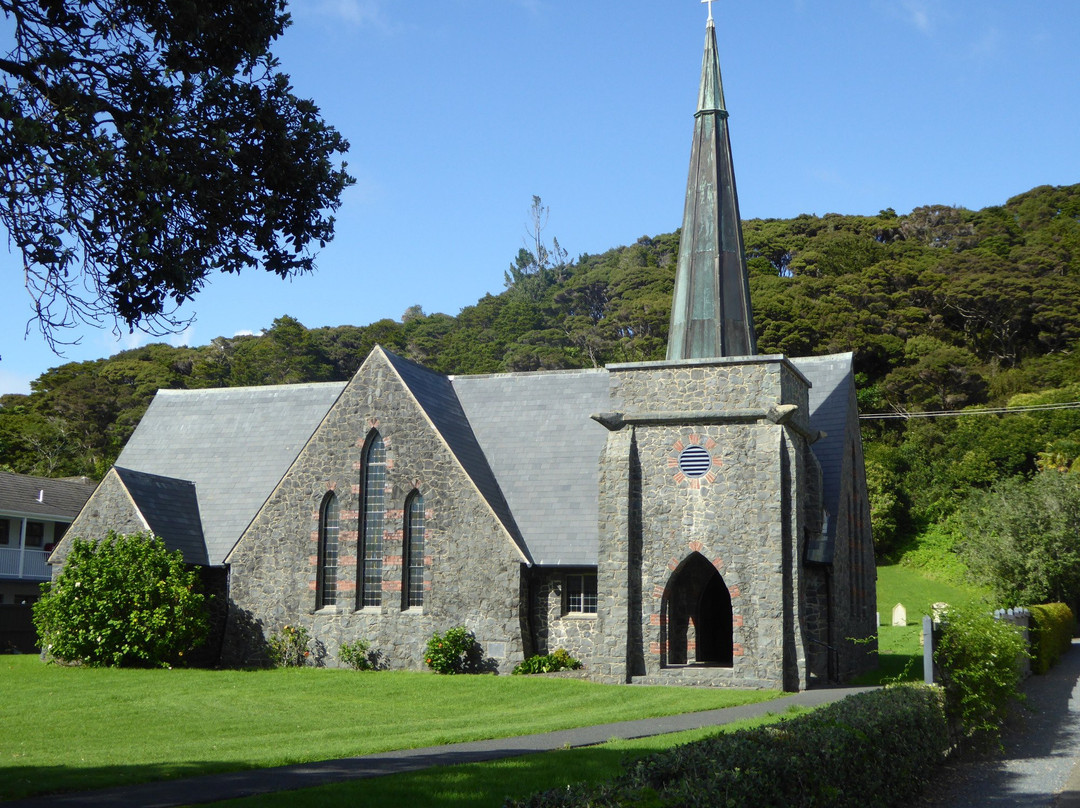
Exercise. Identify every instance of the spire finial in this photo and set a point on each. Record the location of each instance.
(710, 2)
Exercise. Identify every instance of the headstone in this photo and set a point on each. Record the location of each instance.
(939, 609)
(899, 615)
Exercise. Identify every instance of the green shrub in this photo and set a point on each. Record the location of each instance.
(560, 660)
(1052, 630)
(450, 652)
(979, 661)
(126, 601)
(289, 647)
(356, 655)
(873, 749)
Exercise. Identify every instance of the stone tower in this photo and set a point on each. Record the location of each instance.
(708, 480)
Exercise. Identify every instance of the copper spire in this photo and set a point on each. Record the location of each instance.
(710, 313)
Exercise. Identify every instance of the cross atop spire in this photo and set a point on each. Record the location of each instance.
(710, 2)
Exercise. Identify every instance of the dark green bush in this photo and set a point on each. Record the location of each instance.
(450, 652)
(357, 655)
(979, 659)
(559, 660)
(1052, 630)
(126, 601)
(875, 749)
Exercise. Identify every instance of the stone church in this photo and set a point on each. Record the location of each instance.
(699, 520)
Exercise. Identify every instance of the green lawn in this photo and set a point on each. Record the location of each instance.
(487, 785)
(74, 728)
(899, 647)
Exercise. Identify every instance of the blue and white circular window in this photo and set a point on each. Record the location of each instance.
(694, 461)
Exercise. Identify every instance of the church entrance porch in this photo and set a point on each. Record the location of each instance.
(696, 622)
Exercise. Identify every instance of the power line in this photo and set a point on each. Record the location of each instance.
(885, 416)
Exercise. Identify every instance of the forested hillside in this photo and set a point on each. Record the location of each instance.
(945, 308)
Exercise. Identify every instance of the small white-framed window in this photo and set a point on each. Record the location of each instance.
(580, 591)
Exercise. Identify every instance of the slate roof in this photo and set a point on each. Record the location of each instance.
(57, 500)
(171, 509)
(831, 408)
(235, 444)
(438, 399)
(545, 450)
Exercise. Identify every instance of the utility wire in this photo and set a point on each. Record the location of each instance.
(885, 416)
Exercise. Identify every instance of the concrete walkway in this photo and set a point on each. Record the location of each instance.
(215, 787)
(1038, 766)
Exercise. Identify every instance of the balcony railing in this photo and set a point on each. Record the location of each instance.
(24, 563)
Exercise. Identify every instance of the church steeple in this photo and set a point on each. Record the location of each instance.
(710, 313)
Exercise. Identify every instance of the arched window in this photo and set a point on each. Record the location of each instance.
(374, 510)
(412, 591)
(326, 585)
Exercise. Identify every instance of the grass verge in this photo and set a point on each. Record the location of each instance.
(84, 728)
(488, 785)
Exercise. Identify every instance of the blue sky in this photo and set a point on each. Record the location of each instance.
(459, 111)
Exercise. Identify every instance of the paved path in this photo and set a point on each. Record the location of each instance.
(1038, 766)
(211, 788)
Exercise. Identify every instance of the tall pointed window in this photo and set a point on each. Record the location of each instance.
(374, 492)
(412, 593)
(326, 584)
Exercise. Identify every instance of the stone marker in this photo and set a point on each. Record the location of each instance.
(899, 615)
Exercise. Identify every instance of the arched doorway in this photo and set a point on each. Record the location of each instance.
(698, 614)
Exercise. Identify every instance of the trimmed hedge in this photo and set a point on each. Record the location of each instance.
(1052, 629)
(872, 749)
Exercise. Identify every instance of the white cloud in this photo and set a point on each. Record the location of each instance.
(918, 14)
(183, 339)
(354, 12)
(915, 13)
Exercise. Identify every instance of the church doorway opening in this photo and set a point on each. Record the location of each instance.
(698, 616)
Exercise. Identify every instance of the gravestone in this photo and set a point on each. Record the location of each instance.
(899, 615)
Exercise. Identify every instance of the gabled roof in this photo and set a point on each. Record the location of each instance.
(832, 408)
(171, 510)
(57, 500)
(434, 393)
(543, 447)
(235, 444)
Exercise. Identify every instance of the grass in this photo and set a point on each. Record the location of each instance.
(900, 647)
(82, 728)
(484, 785)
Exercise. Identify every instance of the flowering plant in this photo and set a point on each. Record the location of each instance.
(449, 652)
(289, 647)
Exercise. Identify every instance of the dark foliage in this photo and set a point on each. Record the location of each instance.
(149, 143)
(875, 749)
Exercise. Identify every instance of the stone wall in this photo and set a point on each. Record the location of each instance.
(473, 571)
(553, 626)
(109, 508)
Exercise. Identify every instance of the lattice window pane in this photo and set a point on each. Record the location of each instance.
(328, 551)
(374, 514)
(415, 564)
(581, 596)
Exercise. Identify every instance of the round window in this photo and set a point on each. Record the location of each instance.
(694, 461)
